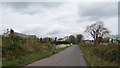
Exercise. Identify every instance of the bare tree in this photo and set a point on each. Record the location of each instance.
(97, 31)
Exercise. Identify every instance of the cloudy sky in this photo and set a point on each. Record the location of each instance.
(58, 18)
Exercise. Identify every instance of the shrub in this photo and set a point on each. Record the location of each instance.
(14, 47)
(108, 52)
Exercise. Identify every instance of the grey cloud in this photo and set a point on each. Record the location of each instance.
(50, 4)
(17, 5)
(54, 32)
(22, 5)
(98, 10)
(57, 20)
(25, 7)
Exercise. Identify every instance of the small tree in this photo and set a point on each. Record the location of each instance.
(72, 39)
(11, 31)
(79, 38)
(41, 40)
(55, 39)
(97, 31)
(118, 38)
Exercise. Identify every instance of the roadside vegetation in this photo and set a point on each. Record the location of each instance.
(101, 55)
(0, 50)
(19, 51)
(104, 49)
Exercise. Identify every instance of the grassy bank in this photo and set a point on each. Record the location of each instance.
(23, 60)
(94, 60)
(29, 58)
(19, 51)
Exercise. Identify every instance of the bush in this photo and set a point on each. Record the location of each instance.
(14, 47)
(108, 52)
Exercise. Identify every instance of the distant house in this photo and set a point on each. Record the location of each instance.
(31, 36)
(24, 35)
(19, 34)
(61, 39)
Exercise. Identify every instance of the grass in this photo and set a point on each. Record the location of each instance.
(29, 58)
(23, 60)
(93, 60)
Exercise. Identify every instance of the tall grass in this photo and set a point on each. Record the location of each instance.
(17, 50)
(109, 52)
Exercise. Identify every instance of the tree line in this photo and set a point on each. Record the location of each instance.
(97, 31)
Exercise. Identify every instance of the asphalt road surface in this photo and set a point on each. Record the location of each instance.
(71, 56)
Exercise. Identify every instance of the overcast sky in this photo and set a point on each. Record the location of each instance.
(58, 18)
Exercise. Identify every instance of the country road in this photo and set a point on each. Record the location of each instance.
(72, 56)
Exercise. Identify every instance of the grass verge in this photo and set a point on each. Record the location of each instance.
(29, 58)
(93, 60)
(26, 59)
